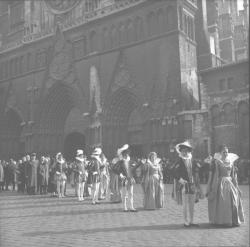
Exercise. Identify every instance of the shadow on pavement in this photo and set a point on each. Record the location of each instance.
(120, 229)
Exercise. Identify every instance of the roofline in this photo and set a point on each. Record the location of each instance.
(223, 66)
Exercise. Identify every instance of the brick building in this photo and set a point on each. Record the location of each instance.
(107, 72)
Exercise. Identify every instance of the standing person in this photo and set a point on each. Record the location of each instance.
(224, 195)
(13, 170)
(33, 179)
(1, 176)
(152, 183)
(186, 172)
(52, 177)
(115, 180)
(95, 165)
(61, 167)
(128, 181)
(43, 174)
(6, 168)
(104, 192)
(80, 173)
(28, 173)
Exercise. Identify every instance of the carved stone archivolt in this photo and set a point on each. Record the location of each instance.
(61, 6)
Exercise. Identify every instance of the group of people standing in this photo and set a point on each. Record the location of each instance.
(114, 181)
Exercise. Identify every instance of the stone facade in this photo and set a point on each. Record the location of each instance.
(104, 73)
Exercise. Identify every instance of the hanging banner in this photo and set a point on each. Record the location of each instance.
(61, 6)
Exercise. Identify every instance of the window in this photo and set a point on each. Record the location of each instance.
(16, 14)
(188, 129)
(222, 84)
(230, 82)
(189, 26)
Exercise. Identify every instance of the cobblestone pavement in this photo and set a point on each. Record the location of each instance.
(44, 221)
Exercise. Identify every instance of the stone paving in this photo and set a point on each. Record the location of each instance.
(45, 221)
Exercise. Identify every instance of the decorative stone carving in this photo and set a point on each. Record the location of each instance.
(122, 76)
(61, 6)
(61, 64)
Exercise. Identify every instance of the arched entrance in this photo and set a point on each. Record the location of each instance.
(11, 145)
(57, 106)
(116, 120)
(72, 142)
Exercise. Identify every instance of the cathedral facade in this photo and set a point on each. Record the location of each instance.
(106, 72)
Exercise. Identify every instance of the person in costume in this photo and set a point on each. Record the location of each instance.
(152, 183)
(60, 168)
(223, 193)
(186, 173)
(95, 165)
(126, 173)
(80, 173)
(104, 192)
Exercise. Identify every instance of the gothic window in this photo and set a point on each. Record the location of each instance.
(139, 28)
(229, 113)
(151, 23)
(16, 14)
(80, 48)
(105, 39)
(170, 18)
(122, 34)
(93, 42)
(130, 31)
(161, 21)
(187, 129)
(115, 38)
(222, 84)
(21, 65)
(230, 82)
(215, 114)
(180, 18)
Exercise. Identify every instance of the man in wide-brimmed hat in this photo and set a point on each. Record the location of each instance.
(185, 174)
(128, 180)
(95, 165)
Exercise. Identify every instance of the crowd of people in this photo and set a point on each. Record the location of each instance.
(99, 178)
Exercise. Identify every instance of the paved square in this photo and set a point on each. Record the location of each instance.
(44, 221)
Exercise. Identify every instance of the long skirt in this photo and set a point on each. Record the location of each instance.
(225, 207)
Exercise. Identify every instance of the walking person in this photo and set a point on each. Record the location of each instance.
(186, 172)
(223, 193)
(95, 165)
(152, 183)
(80, 173)
(128, 181)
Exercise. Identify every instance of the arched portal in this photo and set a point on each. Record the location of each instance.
(11, 145)
(72, 142)
(58, 104)
(116, 119)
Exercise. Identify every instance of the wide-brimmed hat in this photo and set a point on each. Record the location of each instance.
(79, 152)
(184, 144)
(122, 149)
(97, 152)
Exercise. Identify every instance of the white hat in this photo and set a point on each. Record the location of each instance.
(123, 148)
(183, 144)
(79, 152)
(97, 151)
(58, 154)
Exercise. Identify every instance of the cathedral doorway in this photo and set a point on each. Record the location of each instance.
(72, 142)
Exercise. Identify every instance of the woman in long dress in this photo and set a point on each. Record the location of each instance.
(152, 183)
(223, 193)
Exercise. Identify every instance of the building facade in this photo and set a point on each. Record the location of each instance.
(104, 72)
